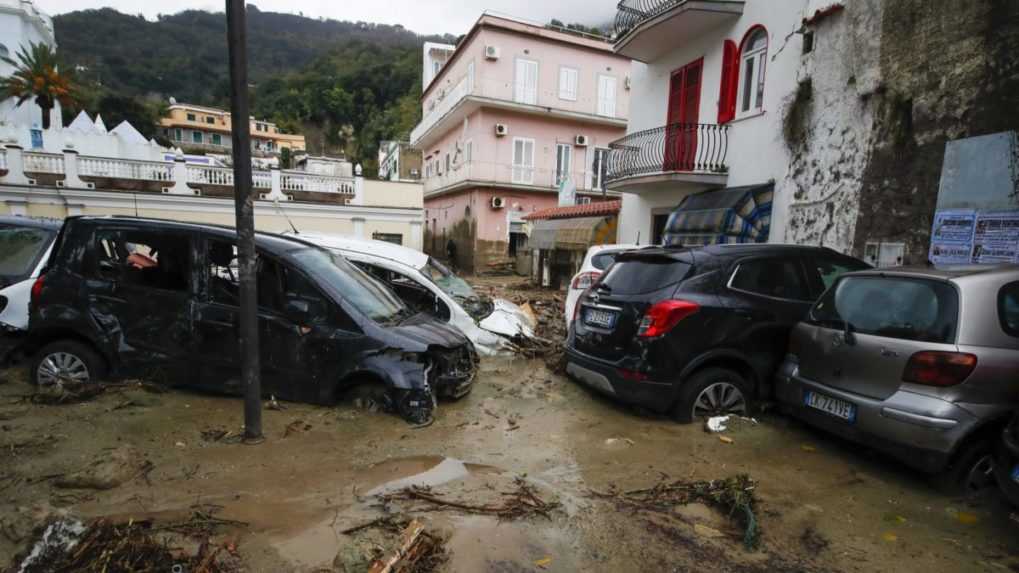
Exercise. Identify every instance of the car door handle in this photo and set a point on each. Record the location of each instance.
(889, 353)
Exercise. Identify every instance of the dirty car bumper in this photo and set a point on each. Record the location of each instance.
(11, 340)
(605, 378)
(922, 431)
(453, 372)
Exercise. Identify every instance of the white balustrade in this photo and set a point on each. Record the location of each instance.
(50, 163)
(106, 167)
(297, 181)
(261, 179)
(203, 175)
(3, 160)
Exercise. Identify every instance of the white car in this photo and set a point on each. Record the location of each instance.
(427, 285)
(597, 259)
(25, 246)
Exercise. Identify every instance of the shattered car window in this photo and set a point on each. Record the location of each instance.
(367, 294)
(20, 250)
(477, 306)
(142, 258)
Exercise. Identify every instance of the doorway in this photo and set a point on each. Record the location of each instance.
(684, 115)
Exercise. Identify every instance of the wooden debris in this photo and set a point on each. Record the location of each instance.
(519, 503)
(408, 539)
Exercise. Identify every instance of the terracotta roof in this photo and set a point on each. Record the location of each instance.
(601, 208)
(823, 13)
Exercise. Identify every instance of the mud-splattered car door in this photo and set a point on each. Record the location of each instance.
(139, 292)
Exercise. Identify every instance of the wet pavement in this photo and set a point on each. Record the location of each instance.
(823, 505)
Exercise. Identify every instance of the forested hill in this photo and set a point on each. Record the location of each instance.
(346, 85)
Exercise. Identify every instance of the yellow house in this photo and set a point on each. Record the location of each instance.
(197, 128)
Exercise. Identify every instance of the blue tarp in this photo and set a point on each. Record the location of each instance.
(733, 215)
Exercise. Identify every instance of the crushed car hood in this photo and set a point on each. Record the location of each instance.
(507, 319)
(426, 331)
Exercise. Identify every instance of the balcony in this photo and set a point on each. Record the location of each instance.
(452, 103)
(487, 174)
(648, 29)
(73, 171)
(669, 157)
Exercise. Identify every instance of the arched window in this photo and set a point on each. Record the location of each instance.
(753, 63)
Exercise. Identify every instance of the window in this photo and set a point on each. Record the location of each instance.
(149, 259)
(217, 139)
(210, 120)
(178, 134)
(563, 162)
(1008, 308)
(526, 82)
(826, 270)
(607, 95)
(361, 291)
(192, 117)
(447, 163)
(196, 137)
(395, 238)
(21, 248)
(924, 310)
(753, 61)
(469, 151)
(436, 67)
(523, 161)
(777, 278)
(730, 83)
(599, 168)
(568, 78)
(644, 275)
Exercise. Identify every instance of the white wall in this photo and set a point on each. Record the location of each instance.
(756, 152)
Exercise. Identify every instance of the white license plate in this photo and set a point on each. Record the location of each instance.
(834, 406)
(1015, 474)
(599, 318)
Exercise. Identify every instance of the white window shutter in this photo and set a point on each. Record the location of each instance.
(607, 96)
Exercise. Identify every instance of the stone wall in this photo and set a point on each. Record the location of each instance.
(888, 83)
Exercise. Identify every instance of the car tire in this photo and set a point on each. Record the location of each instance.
(712, 386)
(971, 470)
(67, 362)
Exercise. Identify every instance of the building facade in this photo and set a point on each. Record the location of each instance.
(207, 129)
(824, 122)
(516, 111)
(399, 161)
(21, 26)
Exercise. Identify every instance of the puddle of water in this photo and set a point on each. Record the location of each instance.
(445, 471)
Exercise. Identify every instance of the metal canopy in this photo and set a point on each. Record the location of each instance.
(733, 215)
(572, 234)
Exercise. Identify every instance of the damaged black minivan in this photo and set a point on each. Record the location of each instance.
(130, 297)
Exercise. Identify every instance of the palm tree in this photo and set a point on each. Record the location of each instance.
(36, 76)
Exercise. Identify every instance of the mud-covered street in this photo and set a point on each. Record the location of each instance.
(131, 454)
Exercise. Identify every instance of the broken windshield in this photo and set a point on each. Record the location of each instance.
(477, 306)
(367, 295)
(20, 250)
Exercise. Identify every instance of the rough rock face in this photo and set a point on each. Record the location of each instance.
(892, 82)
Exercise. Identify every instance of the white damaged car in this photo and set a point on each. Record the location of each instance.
(427, 285)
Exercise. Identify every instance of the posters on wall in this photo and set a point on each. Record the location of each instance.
(962, 236)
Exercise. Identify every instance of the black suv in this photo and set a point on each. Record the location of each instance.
(139, 297)
(696, 332)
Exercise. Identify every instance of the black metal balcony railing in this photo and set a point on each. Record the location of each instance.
(630, 13)
(679, 147)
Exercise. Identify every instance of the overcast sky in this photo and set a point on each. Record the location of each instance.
(422, 16)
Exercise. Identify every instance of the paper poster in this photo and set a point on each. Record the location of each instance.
(952, 237)
(996, 238)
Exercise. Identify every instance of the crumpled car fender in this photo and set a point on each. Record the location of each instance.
(398, 371)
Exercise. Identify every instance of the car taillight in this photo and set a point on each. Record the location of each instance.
(939, 368)
(585, 280)
(37, 287)
(664, 316)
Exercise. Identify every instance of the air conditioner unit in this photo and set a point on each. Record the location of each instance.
(491, 52)
(580, 141)
(415, 173)
(498, 202)
(626, 82)
(501, 129)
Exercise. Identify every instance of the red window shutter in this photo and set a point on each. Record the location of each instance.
(730, 81)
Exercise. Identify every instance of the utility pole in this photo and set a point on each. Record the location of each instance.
(237, 38)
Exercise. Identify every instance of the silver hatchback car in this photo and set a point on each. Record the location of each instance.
(921, 363)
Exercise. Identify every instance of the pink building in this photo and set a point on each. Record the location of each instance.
(508, 114)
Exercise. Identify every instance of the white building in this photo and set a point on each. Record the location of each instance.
(435, 57)
(21, 25)
(710, 81)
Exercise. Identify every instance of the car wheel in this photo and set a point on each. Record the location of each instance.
(970, 472)
(1003, 471)
(712, 392)
(370, 397)
(66, 363)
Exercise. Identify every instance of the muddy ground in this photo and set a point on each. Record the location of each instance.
(823, 505)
